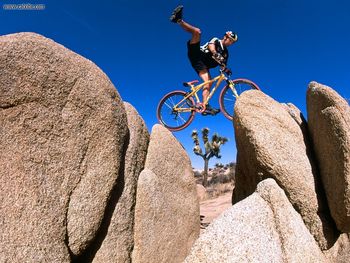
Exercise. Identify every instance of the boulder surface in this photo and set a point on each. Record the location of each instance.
(62, 135)
(118, 243)
(264, 227)
(329, 123)
(271, 143)
(167, 219)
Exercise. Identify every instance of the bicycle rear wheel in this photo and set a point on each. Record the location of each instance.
(227, 98)
(179, 118)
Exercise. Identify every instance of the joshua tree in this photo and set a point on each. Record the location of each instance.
(211, 149)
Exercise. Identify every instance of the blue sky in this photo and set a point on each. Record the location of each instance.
(283, 45)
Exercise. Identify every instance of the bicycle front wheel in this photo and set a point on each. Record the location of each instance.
(228, 98)
(174, 111)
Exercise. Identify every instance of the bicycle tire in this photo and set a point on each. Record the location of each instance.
(227, 99)
(165, 112)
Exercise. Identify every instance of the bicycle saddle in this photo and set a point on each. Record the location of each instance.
(190, 83)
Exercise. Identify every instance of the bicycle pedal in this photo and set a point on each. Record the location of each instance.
(207, 112)
(211, 113)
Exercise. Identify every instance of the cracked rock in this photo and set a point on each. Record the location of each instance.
(62, 134)
(264, 227)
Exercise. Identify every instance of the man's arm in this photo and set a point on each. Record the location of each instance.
(215, 53)
(211, 45)
(212, 48)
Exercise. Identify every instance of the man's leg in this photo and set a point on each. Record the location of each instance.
(176, 17)
(196, 32)
(205, 76)
(194, 52)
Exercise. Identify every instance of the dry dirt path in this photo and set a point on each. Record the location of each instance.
(212, 208)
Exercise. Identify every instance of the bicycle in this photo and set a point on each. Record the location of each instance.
(176, 110)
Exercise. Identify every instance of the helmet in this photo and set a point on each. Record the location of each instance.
(232, 35)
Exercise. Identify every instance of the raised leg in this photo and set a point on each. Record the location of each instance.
(196, 32)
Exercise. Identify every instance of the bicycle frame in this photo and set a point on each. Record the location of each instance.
(177, 109)
(195, 89)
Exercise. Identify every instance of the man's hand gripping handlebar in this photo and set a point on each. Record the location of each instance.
(220, 60)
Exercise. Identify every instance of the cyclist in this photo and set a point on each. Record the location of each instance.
(209, 55)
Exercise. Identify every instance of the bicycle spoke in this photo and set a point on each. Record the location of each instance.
(181, 118)
(173, 115)
(168, 105)
(228, 96)
(172, 103)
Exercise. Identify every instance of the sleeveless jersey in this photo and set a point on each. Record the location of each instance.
(219, 48)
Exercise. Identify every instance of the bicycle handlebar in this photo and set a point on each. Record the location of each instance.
(223, 67)
(226, 70)
(218, 61)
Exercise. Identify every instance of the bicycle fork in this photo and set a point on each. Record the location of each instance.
(232, 87)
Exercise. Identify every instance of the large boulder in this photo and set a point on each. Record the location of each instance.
(167, 219)
(271, 143)
(340, 251)
(264, 227)
(62, 135)
(329, 123)
(118, 243)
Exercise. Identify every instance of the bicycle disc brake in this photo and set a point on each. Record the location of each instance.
(175, 113)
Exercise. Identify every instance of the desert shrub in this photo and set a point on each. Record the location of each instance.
(221, 179)
(219, 165)
(216, 190)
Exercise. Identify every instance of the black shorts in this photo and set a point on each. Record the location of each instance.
(196, 56)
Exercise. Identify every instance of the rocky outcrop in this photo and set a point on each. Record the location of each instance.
(340, 251)
(296, 114)
(167, 219)
(71, 154)
(118, 243)
(62, 136)
(264, 227)
(72, 189)
(271, 144)
(329, 122)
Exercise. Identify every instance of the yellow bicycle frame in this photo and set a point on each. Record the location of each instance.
(195, 89)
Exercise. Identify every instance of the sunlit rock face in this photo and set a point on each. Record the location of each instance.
(272, 142)
(62, 135)
(329, 122)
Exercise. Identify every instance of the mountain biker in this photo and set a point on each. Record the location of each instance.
(209, 55)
